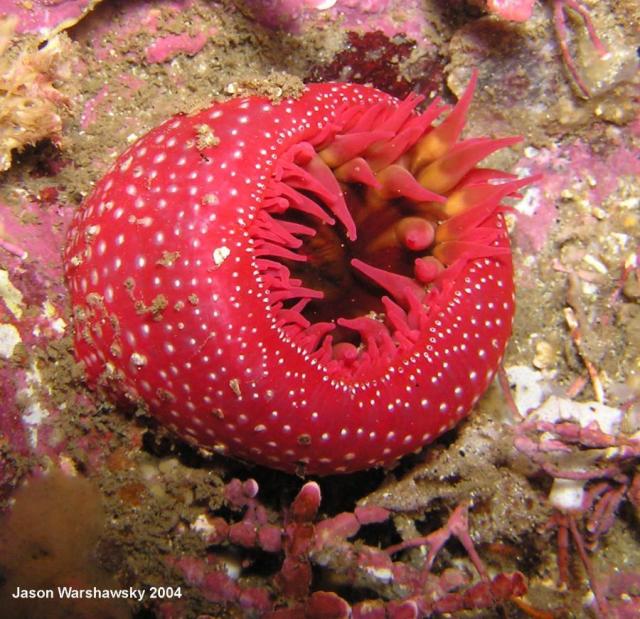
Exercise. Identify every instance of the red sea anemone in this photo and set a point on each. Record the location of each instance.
(319, 285)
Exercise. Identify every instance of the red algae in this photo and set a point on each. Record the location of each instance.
(374, 58)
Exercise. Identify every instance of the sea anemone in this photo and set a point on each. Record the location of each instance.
(320, 285)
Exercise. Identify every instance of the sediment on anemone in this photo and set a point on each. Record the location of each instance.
(365, 226)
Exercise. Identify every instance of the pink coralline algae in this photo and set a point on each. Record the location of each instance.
(560, 169)
(514, 10)
(285, 14)
(44, 17)
(392, 17)
(406, 590)
(167, 47)
(31, 316)
(322, 284)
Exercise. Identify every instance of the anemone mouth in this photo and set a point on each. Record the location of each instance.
(362, 225)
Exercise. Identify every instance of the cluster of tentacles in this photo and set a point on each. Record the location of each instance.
(363, 225)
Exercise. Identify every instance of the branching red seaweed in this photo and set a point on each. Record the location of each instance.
(306, 543)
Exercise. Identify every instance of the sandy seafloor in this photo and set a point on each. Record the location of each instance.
(111, 499)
